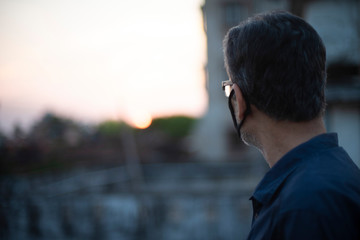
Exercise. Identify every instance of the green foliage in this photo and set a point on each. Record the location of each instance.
(50, 127)
(54, 125)
(111, 129)
(177, 126)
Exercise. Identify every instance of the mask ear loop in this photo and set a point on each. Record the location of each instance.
(246, 113)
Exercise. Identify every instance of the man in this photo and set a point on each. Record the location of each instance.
(276, 65)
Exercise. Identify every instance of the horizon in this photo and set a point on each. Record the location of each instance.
(96, 61)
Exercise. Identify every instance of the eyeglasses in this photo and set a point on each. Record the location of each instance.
(226, 87)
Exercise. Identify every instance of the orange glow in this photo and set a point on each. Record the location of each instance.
(141, 120)
(68, 62)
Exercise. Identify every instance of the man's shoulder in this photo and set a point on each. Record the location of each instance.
(321, 183)
(325, 170)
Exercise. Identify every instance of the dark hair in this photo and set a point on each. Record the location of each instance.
(278, 61)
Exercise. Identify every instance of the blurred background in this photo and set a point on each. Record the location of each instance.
(113, 124)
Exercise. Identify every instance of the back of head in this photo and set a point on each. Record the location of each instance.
(278, 61)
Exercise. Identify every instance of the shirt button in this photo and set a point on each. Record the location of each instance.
(256, 215)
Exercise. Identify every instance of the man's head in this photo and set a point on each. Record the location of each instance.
(278, 62)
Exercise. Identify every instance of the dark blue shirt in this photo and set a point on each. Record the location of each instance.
(313, 192)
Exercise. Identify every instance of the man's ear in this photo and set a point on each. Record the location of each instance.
(241, 103)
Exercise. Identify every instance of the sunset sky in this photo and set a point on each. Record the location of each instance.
(97, 60)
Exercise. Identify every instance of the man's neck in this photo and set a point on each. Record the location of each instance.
(278, 138)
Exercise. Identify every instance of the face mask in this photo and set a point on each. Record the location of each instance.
(234, 110)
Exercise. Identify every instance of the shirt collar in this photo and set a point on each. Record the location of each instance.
(288, 163)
